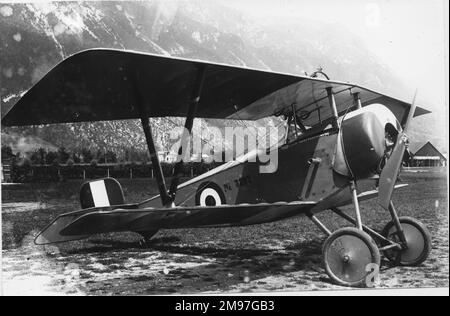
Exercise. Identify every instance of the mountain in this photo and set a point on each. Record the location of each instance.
(35, 37)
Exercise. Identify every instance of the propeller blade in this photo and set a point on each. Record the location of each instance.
(391, 170)
(412, 110)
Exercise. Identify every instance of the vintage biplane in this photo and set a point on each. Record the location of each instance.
(348, 146)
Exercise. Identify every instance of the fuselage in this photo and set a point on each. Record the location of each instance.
(316, 166)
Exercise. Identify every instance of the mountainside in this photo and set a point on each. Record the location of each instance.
(35, 37)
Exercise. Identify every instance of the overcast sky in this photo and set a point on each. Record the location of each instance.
(409, 36)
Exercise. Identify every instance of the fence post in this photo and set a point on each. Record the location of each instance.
(152, 172)
(192, 171)
(107, 173)
(84, 174)
(131, 173)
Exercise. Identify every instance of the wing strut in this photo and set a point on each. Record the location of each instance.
(195, 99)
(333, 106)
(165, 198)
(357, 100)
(156, 165)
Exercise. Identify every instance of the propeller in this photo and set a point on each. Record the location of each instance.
(391, 170)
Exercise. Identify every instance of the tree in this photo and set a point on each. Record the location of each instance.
(94, 163)
(51, 158)
(110, 156)
(34, 158)
(42, 154)
(63, 156)
(100, 156)
(87, 155)
(76, 158)
(7, 152)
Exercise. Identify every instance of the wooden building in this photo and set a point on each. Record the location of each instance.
(428, 156)
(6, 168)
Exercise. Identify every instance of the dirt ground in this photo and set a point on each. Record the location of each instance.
(283, 256)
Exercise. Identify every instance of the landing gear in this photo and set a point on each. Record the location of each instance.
(348, 255)
(418, 242)
(351, 256)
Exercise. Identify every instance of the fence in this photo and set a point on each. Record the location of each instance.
(50, 173)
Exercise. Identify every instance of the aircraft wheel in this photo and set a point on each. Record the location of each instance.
(418, 242)
(349, 256)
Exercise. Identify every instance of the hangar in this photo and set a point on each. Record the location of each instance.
(428, 156)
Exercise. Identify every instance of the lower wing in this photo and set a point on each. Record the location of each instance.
(79, 225)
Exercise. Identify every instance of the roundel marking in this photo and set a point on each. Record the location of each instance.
(210, 197)
(209, 194)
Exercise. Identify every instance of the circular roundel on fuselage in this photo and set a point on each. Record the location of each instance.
(209, 194)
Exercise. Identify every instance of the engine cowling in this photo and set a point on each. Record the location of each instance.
(366, 137)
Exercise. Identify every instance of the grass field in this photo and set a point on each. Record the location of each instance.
(281, 256)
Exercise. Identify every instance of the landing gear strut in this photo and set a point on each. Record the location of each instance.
(351, 255)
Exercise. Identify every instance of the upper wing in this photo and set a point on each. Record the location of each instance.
(310, 98)
(102, 84)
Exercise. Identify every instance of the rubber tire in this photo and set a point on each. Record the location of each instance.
(371, 245)
(425, 235)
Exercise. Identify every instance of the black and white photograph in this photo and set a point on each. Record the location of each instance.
(224, 147)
